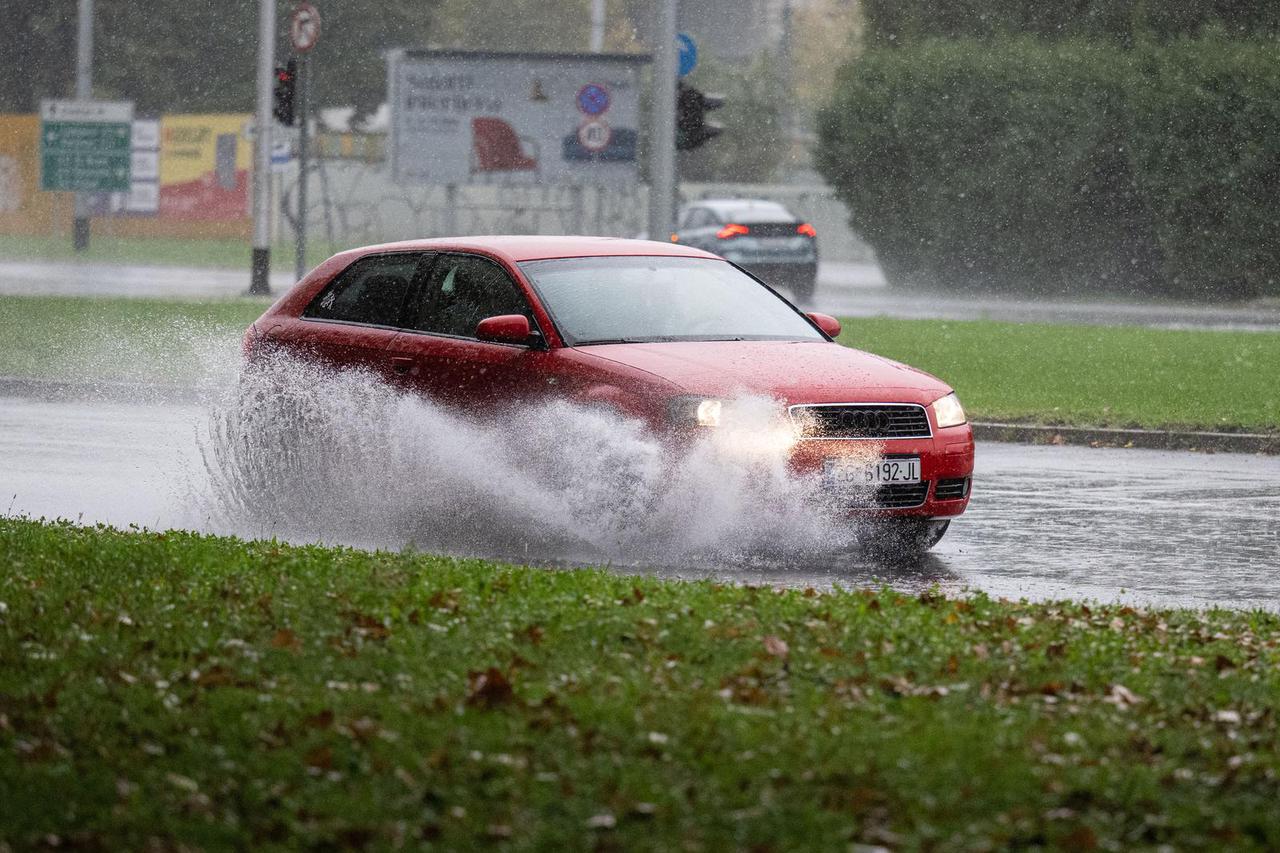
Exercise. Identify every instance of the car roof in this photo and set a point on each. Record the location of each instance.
(761, 210)
(516, 248)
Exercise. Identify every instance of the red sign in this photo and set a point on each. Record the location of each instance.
(304, 28)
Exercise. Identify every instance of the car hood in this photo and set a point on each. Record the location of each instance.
(793, 371)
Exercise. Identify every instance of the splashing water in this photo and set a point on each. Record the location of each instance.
(304, 453)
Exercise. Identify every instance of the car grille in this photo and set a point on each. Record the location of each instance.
(951, 489)
(895, 496)
(862, 420)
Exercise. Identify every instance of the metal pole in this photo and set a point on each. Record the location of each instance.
(260, 265)
(597, 25)
(787, 63)
(662, 158)
(84, 92)
(304, 85)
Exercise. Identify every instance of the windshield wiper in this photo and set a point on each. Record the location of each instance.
(658, 339)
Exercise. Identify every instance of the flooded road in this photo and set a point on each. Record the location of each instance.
(1045, 522)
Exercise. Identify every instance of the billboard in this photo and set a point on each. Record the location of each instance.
(204, 167)
(461, 117)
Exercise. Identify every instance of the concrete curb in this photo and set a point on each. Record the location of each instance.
(1154, 439)
(116, 391)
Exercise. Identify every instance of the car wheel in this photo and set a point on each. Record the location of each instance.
(907, 537)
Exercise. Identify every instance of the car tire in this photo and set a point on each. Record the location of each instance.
(906, 537)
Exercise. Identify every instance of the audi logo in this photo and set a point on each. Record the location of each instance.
(864, 420)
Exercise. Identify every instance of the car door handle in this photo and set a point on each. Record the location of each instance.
(401, 365)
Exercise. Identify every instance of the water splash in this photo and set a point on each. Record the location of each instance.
(308, 454)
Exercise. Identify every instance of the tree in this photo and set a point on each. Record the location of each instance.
(174, 56)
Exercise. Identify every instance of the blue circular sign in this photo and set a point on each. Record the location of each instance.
(688, 53)
(593, 99)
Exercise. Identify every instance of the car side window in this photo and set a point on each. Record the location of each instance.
(697, 218)
(372, 290)
(462, 291)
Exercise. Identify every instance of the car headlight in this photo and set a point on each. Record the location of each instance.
(948, 412)
(699, 411)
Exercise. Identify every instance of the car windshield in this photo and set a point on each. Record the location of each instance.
(645, 299)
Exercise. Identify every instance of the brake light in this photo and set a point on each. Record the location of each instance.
(675, 238)
(732, 230)
(806, 229)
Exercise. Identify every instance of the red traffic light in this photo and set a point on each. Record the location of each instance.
(285, 92)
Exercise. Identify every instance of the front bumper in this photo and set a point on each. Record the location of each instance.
(946, 460)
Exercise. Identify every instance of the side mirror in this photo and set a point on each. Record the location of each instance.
(505, 329)
(826, 323)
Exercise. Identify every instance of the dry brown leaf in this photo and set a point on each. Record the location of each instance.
(320, 758)
(488, 689)
(286, 639)
(776, 647)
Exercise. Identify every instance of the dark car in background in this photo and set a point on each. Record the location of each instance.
(762, 237)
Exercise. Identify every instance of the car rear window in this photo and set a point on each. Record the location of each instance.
(372, 291)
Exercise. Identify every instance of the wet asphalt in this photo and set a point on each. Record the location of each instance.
(1142, 526)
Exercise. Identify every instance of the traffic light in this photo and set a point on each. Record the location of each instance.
(286, 87)
(692, 127)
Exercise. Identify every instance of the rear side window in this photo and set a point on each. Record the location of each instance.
(462, 291)
(372, 290)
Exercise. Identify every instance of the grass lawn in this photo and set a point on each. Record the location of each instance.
(125, 339)
(165, 689)
(1090, 375)
(157, 251)
(1078, 375)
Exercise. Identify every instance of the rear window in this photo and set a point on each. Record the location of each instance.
(759, 213)
(372, 291)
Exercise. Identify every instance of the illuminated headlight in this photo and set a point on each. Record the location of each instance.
(948, 412)
(696, 410)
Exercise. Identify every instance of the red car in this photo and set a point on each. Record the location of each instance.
(657, 331)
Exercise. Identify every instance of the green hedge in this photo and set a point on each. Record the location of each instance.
(898, 22)
(1066, 166)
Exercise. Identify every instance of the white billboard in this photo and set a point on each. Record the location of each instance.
(461, 117)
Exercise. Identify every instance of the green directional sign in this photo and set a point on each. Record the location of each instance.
(85, 146)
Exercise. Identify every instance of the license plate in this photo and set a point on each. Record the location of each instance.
(852, 473)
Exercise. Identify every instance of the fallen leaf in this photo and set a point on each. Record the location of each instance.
(776, 647)
(320, 758)
(1122, 696)
(181, 782)
(322, 720)
(214, 676)
(286, 639)
(488, 689)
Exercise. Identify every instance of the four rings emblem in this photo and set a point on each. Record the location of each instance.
(864, 420)
(868, 421)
